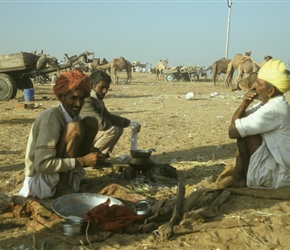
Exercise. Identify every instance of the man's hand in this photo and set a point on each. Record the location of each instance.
(90, 159)
(138, 127)
(249, 97)
(135, 126)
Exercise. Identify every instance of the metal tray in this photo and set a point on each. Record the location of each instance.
(75, 206)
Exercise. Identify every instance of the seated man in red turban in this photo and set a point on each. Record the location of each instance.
(60, 142)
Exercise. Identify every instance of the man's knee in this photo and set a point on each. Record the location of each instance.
(90, 123)
(254, 141)
(74, 128)
(114, 130)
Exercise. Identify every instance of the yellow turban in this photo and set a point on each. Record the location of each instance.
(274, 72)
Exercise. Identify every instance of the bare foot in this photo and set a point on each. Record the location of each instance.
(229, 178)
(229, 181)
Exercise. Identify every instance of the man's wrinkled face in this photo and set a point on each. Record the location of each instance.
(262, 89)
(73, 101)
(101, 89)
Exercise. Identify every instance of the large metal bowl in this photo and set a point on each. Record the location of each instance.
(75, 206)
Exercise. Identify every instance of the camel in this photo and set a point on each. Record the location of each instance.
(80, 62)
(79, 65)
(83, 57)
(70, 58)
(160, 67)
(250, 66)
(247, 82)
(46, 60)
(234, 64)
(203, 72)
(118, 64)
(92, 66)
(219, 67)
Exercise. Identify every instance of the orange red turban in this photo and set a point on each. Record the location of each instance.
(71, 81)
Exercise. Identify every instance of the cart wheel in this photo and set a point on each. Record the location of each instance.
(8, 87)
(170, 78)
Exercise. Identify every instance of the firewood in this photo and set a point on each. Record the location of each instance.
(166, 209)
(166, 230)
(206, 212)
(156, 212)
(191, 199)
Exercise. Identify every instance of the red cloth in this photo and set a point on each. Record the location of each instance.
(112, 218)
(71, 81)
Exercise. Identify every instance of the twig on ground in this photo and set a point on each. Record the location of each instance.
(166, 230)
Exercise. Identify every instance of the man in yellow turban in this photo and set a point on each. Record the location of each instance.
(262, 133)
(59, 143)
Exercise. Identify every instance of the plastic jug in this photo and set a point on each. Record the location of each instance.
(134, 134)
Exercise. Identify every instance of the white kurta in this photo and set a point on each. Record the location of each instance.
(270, 165)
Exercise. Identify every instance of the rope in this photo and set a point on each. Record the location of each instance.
(87, 235)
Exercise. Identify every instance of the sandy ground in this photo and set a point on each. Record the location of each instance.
(190, 135)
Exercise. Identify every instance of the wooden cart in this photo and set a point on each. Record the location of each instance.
(16, 71)
(181, 73)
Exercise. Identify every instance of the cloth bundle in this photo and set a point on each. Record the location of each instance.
(112, 218)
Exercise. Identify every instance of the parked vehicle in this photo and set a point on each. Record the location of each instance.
(181, 73)
(17, 70)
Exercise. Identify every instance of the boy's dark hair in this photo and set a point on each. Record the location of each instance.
(98, 76)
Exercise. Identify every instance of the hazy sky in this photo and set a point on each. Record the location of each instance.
(185, 32)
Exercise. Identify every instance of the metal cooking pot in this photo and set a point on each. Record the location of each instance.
(72, 228)
(142, 164)
(142, 207)
(141, 153)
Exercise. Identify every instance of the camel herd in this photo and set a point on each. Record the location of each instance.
(83, 63)
(244, 64)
